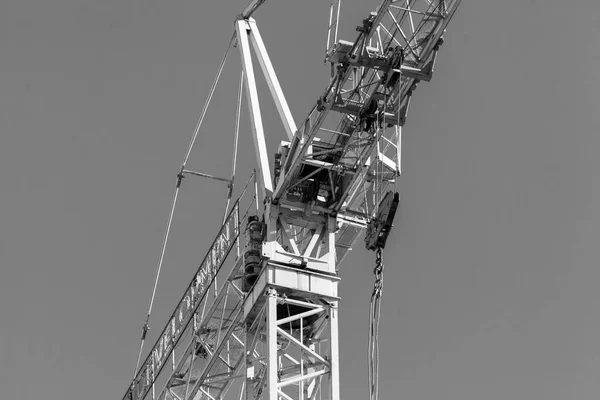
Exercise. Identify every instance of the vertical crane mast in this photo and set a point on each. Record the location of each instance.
(271, 332)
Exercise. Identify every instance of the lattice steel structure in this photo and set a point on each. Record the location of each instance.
(271, 330)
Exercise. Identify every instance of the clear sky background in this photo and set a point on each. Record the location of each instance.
(491, 289)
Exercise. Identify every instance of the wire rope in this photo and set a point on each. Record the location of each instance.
(180, 177)
(374, 318)
(235, 143)
(205, 108)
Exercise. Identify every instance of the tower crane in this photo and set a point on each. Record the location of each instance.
(259, 319)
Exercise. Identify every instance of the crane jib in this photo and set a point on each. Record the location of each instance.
(189, 303)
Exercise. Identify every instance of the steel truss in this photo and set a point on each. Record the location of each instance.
(275, 336)
(249, 343)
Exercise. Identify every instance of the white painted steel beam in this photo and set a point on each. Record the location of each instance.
(399, 149)
(272, 344)
(272, 81)
(334, 357)
(260, 146)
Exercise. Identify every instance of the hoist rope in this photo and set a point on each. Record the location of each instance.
(375, 313)
(180, 177)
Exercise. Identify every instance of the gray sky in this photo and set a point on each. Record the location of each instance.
(492, 269)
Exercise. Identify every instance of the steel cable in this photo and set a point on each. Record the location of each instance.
(375, 314)
(180, 177)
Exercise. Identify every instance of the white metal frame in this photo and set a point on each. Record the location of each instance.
(237, 340)
(248, 35)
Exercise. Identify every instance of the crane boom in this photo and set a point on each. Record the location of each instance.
(272, 329)
(349, 152)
